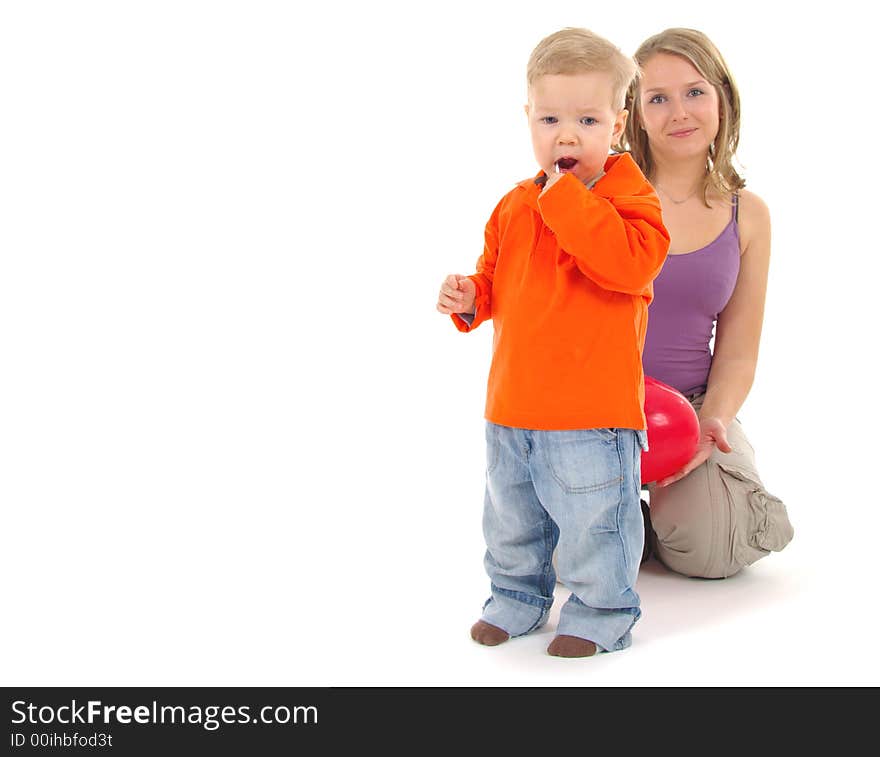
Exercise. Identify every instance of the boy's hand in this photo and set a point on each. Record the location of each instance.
(552, 178)
(457, 295)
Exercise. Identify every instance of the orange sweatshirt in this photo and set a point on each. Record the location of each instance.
(566, 279)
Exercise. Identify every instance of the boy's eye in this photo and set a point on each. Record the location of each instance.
(588, 121)
(548, 120)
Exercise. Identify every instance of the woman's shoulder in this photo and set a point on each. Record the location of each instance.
(753, 218)
(752, 205)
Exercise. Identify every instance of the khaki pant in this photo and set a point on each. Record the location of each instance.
(719, 518)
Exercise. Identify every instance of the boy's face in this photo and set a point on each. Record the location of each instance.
(572, 120)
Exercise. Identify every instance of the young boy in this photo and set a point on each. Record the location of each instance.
(566, 275)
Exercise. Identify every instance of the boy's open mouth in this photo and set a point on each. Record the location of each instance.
(565, 164)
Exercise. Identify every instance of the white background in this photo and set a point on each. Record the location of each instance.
(238, 445)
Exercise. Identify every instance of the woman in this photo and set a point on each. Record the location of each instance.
(714, 516)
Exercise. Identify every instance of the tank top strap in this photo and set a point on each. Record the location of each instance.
(735, 200)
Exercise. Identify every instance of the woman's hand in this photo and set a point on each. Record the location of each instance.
(713, 433)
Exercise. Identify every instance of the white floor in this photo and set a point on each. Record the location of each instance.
(779, 623)
(772, 625)
(382, 590)
(806, 616)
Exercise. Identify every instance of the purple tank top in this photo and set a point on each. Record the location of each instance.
(690, 292)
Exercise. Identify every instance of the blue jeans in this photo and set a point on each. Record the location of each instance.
(576, 492)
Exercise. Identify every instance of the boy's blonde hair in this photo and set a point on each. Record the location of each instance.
(578, 51)
(696, 48)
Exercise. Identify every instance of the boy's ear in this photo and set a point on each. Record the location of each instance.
(526, 109)
(620, 124)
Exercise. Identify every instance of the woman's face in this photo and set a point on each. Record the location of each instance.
(680, 109)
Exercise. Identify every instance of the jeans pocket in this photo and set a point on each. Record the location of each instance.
(584, 461)
(762, 518)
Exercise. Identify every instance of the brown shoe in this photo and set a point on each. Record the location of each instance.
(572, 646)
(485, 633)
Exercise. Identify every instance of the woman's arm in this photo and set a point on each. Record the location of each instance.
(737, 335)
(738, 331)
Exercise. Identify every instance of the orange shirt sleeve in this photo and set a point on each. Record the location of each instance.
(620, 243)
(484, 276)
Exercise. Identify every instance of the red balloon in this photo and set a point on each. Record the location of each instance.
(673, 431)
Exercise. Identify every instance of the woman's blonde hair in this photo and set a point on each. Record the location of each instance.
(696, 48)
(575, 51)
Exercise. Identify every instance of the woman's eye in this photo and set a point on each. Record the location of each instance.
(695, 92)
(656, 99)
